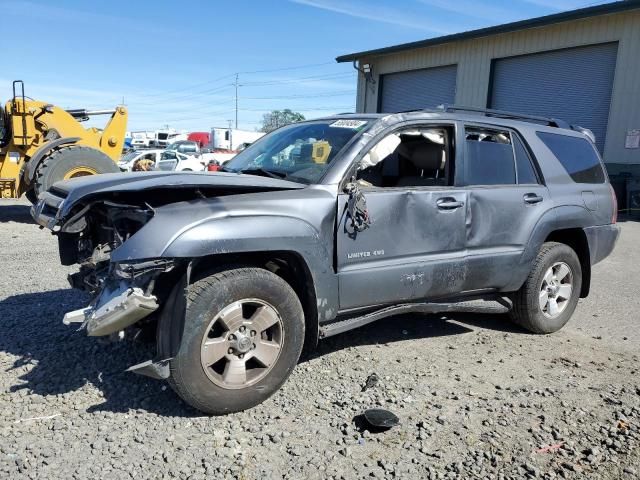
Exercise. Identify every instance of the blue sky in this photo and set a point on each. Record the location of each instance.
(174, 62)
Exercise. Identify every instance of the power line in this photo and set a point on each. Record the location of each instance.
(310, 65)
(320, 109)
(230, 75)
(315, 95)
(299, 79)
(189, 96)
(250, 84)
(208, 82)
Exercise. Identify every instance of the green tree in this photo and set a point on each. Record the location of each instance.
(279, 118)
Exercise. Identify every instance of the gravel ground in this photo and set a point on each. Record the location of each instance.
(476, 397)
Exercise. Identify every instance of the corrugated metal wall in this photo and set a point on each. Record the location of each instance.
(425, 88)
(474, 57)
(573, 84)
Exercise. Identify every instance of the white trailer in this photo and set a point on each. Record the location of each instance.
(141, 139)
(232, 138)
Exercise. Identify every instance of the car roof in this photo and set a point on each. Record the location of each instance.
(472, 117)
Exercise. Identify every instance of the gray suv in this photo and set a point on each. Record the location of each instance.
(327, 225)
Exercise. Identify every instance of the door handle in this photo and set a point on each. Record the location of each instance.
(532, 198)
(448, 203)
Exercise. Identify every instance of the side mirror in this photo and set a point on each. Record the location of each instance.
(357, 208)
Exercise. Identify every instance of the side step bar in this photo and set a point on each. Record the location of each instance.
(342, 326)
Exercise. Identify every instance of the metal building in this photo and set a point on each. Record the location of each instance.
(581, 66)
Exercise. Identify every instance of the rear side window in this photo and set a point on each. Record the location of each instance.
(526, 173)
(488, 158)
(577, 155)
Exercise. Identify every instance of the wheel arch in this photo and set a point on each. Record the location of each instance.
(288, 265)
(576, 239)
(564, 224)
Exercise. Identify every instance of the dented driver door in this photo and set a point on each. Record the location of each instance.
(412, 248)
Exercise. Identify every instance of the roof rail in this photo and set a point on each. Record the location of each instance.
(551, 122)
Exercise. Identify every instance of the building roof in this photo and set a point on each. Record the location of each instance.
(605, 9)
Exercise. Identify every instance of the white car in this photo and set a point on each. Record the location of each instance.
(129, 159)
(180, 162)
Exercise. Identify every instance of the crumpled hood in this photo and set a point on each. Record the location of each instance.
(94, 186)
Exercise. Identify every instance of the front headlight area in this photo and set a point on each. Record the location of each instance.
(124, 295)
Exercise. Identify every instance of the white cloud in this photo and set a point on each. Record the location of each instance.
(378, 13)
(560, 5)
(476, 9)
(25, 9)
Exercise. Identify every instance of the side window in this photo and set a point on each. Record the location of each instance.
(412, 157)
(488, 158)
(524, 166)
(577, 155)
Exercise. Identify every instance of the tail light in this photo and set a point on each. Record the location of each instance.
(614, 201)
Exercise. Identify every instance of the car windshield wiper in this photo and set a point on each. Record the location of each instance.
(263, 172)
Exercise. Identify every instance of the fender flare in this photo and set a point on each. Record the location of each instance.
(31, 166)
(558, 218)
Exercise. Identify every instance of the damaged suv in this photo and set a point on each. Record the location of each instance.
(327, 225)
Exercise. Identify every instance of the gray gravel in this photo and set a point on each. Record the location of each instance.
(476, 397)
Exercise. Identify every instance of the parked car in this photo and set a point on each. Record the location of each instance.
(128, 160)
(328, 225)
(182, 156)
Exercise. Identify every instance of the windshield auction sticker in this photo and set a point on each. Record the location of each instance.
(348, 123)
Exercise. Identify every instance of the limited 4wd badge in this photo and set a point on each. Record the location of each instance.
(375, 253)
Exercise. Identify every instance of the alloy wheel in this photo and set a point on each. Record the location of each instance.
(242, 343)
(556, 289)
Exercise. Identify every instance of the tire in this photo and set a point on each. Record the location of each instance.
(31, 196)
(537, 313)
(62, 163)
(206, 379)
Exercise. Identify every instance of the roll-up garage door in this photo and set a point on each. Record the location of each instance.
(416, 89)
(572, 84)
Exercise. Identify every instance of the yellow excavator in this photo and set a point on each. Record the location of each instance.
(41, 144)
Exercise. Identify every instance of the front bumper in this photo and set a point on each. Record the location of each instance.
(115, 310)
(45, 211)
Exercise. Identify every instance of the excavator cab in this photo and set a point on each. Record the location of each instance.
(41, 144)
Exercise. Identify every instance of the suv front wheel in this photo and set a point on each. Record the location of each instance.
(243, 335)
(548, 298)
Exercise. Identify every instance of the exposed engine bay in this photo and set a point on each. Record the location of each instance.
(122, 293)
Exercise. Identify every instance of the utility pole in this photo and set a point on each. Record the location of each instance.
(236, 84)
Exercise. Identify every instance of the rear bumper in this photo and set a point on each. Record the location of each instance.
(602, 240)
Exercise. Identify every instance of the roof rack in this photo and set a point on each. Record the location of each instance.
(551, 122)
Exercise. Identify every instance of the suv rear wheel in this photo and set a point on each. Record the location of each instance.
(548, 298)
(243, 335)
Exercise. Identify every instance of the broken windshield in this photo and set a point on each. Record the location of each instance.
(301, 152)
